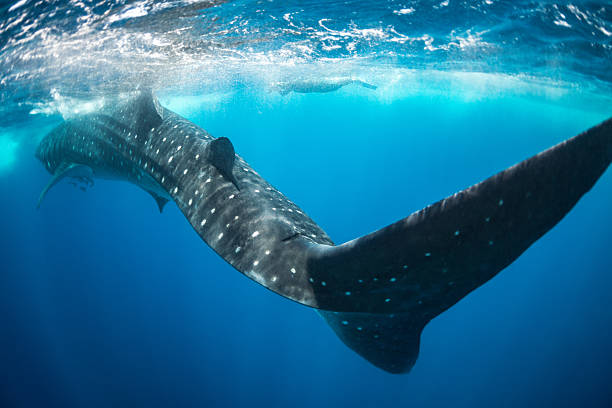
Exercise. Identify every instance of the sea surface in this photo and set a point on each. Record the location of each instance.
(104, 302)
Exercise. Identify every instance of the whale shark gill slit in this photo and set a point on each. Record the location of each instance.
(377, 292)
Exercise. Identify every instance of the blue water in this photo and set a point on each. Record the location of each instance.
(106, 303)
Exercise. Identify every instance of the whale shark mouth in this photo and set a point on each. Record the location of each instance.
(377, 292)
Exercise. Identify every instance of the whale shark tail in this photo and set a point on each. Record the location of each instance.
(400, 277)
(389, 341)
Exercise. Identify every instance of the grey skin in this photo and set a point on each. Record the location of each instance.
(377, 292)
(318, 86)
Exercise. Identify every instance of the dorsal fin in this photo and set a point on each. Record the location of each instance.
(220, 153)
(141, 114)
(147, 112)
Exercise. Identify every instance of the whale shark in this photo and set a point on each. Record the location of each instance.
(319, 85)
(377, 292)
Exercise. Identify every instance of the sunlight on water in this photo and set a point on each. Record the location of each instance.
(86, 50)
(192, 105)
(66, 106)
(392, 84)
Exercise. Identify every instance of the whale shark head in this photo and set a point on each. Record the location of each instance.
(95, 145)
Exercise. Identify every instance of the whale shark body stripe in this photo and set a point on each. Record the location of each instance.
(377, 292)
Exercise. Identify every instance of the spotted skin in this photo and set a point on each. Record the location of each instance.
(377, 292)
(255, 228)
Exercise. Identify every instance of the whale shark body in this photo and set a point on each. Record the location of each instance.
(377, 292)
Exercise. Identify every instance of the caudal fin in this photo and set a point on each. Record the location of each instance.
(389, 341)
(420, 266)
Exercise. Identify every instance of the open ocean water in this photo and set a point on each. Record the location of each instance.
(104, 302)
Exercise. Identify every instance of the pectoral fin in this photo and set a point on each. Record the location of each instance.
(78, 171)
